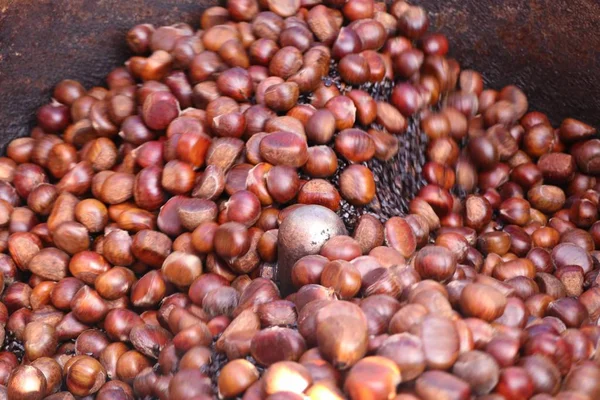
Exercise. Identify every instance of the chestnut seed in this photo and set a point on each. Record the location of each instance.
(432, 384)
(236, 377)
(355, 145)
(40, 339)
(286, 376)
(342, 277)
(479, 369)
(284, 148)
(406, 351)
(373, 376)
(435, 262)
(357, 185)
(350, 344)
(28, 382)
(85, 376)
(354, 69)
(482, 301)
(277, 344)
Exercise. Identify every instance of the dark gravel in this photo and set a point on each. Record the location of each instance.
(13, 345)
(399, 179)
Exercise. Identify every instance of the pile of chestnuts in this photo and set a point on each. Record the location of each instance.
(140, 253)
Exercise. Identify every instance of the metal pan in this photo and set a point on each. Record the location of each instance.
(550, 48)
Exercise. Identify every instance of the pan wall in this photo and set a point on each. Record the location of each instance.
(550, 48)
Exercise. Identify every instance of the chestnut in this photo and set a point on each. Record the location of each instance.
(236, 377)
(130, 364)
(482, 301)
(276, 344)
(354, 69)
(27, 381)
(286, 376)
(40, 339)
(406, 351)
(357, 184)
(374, 376)
(343, 277)
(85, 376)
(350, 344)
(432, 384)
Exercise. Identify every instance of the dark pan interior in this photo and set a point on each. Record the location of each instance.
(550, 48)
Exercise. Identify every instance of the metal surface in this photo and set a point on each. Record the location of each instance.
(550, 48)
(45, 41)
